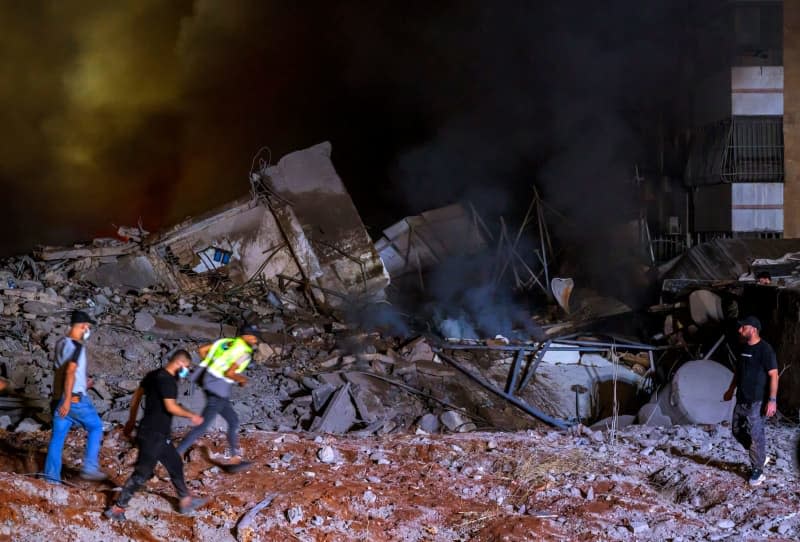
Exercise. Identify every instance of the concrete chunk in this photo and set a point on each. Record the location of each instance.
(320, 396)
(339, 416)
(144, 321)
(697, 390)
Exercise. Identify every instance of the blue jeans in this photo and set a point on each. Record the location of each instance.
(84, 415)
(214, 405)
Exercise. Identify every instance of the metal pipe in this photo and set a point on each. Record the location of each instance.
(511, 387)
(522, 405)
(600, 347)
(714, 348)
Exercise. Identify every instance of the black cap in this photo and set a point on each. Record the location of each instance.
(249, 329)
(751, 321)
(80, 317)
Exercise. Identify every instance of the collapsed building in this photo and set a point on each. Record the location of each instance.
(295, 258)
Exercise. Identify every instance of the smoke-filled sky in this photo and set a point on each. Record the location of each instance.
(143, 108)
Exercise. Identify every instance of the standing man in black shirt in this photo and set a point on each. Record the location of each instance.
(755, 381)
(153, 437)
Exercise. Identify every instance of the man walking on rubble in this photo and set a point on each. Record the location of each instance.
(153, 437)
(755, 380)
(223, 363)
(72, 405)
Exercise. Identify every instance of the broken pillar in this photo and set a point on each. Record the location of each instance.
(696, 394)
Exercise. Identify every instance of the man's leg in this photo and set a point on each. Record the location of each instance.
(85, 414)
(52, 465)
(145, 465)
(230, 416)
(740, 426)
(758, 446)
(210, 411)
(171, 460)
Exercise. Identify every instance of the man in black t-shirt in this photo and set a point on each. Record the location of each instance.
(755, 381)
(153, 437)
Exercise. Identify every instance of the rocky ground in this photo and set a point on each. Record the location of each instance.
(640, 483)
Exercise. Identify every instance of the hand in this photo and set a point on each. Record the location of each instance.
(772, 408)
(728, 395)
(90, 382)
(242, 380)
(63, 410)
(196, 419)
(128, 429)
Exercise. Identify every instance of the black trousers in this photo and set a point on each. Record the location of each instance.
(154, 448)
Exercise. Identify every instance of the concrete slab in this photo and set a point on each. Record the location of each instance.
(181, 327)
(129, 272)
(339, 416)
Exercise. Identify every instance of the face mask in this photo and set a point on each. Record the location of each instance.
(183, 373)
(87, 334)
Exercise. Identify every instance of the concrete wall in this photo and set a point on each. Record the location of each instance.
(248, 230)
(791, 118)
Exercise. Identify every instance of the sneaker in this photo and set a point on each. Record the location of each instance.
(117, 513)
(756, 477)
(96, 476)
(232, 455)
(195, 503)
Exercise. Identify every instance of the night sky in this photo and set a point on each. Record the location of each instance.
(152, 109)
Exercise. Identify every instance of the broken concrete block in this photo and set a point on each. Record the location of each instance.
(456, 422)
(127, 272)
(363, 401)
(294, 515)
(5, 421)
(429, 423)
(27, 426)
(144, 321)
(99, 386)
(418, 349)
(265, 351)
(697, 390)
(183, 327)
(128, 385)
(310, 382)
(340, 414)
(326, 454)
(40, 309)
(651, 415)
(320, 396)
(605, 424)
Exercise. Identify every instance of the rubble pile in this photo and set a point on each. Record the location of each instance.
(680, 483)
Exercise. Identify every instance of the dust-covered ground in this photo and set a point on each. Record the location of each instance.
(641, 483)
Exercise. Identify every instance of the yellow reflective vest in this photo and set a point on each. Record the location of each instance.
(223, 354)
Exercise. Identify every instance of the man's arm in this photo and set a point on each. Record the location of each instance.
(69, 381)
(233, 375)
(135, 401)
(731, 388)
(772, 405)
(175, 409)
(203, 350)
